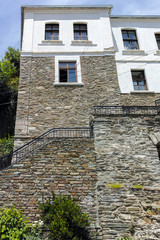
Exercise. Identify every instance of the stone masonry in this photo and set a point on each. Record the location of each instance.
(114, 176)
(42, 106)
(128, 176)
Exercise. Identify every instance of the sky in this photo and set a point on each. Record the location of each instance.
(10, 14)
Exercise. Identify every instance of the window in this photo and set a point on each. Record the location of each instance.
(52, 32)
(67, 72)
(139, 81)
(130, 39)
(80, 32)
(158, 40)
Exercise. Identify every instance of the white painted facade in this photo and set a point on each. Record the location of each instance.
(98, 30)
(146, 58)
(104, 37)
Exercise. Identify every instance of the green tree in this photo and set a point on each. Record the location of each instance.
(9, 78)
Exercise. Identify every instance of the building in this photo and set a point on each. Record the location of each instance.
(90, 80)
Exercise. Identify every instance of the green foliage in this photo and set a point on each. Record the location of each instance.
(9, 78)
(35, 233)
(6, 145)
(138, 186)
(64, 219)
(13, 226)
(115, 185)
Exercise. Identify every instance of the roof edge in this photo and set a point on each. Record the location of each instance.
(136, 16)
(68, 6)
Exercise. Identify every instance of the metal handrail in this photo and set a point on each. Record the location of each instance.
(125, 110)
(42, 140)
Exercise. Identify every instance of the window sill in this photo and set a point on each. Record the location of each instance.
(51, 42)
(142, 92)
(68, 84)
(133, 52)
(82, 43)
(157, 52)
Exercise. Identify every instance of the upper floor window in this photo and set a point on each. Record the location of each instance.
(139, 81)
(130, 39)
(67, 72)
(52, 32)
(80, 32)
(158, 40)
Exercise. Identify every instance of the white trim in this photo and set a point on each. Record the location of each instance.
(51, 54)
(67, 58)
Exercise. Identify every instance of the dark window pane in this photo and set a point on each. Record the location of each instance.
(83, 27)
(157, 36)
(80, 32)
(76, 36)
(84, 36)
(134, 83)
(126, 45)
(124, 34)
(55, 35)
(76, 27)
(63, 75)
(141, 83)
(63, 65)
(142, 88)
(48, 27)
(135, 87)
(133, 45)
(48, 36)
(55, 27)
(129, 39)
(71, 64)
(158, 40)
(132, 34)
(72, 75)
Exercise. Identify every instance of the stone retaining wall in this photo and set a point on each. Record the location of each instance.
(115, 177)
(63, 166)
(128, 176)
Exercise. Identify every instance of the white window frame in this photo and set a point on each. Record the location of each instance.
(66, 59)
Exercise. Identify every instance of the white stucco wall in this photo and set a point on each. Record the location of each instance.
(98, 26)
(148, 59)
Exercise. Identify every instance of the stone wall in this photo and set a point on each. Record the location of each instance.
(128, 176)
(115, 177)
(42, 106)
(139, 99)
(63, 166)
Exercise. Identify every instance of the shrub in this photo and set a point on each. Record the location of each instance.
(6, 145)
(64, 219)
(13, 226)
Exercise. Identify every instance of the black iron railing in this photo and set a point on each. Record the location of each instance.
(42, 140)
(125, 110)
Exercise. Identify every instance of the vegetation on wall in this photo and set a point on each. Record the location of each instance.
(64, 219)
(6, 145)
(9, 79)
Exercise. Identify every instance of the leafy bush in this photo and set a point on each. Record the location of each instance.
(6, 145)
(13, 226)
(64, 219)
